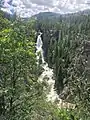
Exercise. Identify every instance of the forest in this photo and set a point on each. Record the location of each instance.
(66, 50)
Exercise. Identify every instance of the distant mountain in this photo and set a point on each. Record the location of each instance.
(8, 16)
(56, 16)
(47, 16)
(85, 12)
(50, 16)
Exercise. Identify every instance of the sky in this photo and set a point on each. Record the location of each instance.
(27, 8)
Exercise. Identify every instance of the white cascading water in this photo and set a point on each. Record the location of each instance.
(39, 50)
(52, 96)
(48, 74)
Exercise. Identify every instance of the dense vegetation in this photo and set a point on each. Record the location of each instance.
(21, 95)
(65, 41)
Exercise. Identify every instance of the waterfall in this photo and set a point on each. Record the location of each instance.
(48, 72)
(39, 50)
(48, 77)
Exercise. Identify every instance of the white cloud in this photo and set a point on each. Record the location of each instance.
(30, 7)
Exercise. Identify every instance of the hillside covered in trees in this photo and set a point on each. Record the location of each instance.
(65, 50)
